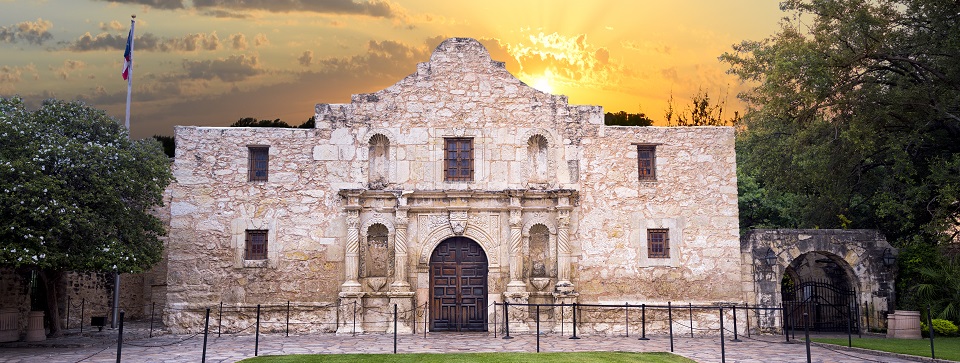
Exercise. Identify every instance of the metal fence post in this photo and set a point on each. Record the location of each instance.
(426, 311)
(747, 314)
(538, 328)
(574, 322)
(806, 325)
(220, 319)
(120, 338)
(626, 316)
(783, 318)
(288, 317)
(354, 317)
(933, 354)
(670, 319)
(849, 331)
(206, 328)
(68, 312)
(256, 342)
(83, 304)
(394, 328)
(506, 320)
(152, 306)
(643, 322)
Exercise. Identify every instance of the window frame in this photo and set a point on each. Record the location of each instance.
(646, 166)
(258, 162)
(460, 161)
(250, 252)
(653, 243)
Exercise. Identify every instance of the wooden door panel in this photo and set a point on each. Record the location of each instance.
(458, 278)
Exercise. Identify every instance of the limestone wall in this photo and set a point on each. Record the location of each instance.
(694, 196)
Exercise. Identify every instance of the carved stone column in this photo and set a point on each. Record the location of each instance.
(351, 261)
(516, 242)
(563, 246)
(400, 283)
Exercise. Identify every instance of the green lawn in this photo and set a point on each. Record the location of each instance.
(946, 348)
(576, 357)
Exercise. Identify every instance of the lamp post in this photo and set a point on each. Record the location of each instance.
(770, 258)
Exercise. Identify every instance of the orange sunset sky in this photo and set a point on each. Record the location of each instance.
(211, 62)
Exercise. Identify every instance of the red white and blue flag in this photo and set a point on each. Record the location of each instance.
(128, 56)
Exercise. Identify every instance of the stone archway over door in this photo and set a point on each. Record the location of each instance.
(458, 286)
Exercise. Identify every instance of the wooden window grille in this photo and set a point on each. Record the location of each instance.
(458, 159)
(259, 162)
(658, 243)
(646, 162)
(256, 245)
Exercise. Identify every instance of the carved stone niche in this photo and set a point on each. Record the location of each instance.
(376, 254)
(541, 255)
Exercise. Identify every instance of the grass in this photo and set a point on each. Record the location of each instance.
(946, 348)
(574, 357)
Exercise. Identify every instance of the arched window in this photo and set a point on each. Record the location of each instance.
(537, 158)
(379, 161)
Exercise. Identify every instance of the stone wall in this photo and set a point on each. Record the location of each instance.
(554, 201)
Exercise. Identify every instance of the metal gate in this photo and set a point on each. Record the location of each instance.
(829, 308)
(458, 286)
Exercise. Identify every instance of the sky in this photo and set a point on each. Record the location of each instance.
(212, 62)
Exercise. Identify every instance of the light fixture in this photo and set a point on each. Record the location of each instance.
(770, 258)
(888, 258)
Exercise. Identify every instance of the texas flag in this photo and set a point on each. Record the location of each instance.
(128, 55)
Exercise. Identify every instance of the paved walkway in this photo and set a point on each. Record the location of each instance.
(101, 347)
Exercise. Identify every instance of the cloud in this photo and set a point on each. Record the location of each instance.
(113, 25)
(306, 58)
(159, 4)
(234, 68)
(146, 42)
(568, 59)
(32, 32)
(69, 66)
(647, 47)
(374, 8)
(11, 75)
(218, 13)
(260, 39)
(239, 41)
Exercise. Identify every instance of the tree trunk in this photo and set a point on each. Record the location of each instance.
(51, 280)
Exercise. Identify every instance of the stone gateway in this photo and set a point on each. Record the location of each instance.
(455, 188)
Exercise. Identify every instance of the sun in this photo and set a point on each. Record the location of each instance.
(543, 84)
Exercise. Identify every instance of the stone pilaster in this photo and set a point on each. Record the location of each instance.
(351, 313)
(518, 315)
(351, 268)
(564, 313)
(516, 256)
(400, 283)
(563, 246)
(405, 312)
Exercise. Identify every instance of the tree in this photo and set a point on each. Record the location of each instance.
(253, 122)
(622, 118)
(700, 113)
(855, 113)
(77, 194)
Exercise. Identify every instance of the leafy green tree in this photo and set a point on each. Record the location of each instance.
(622, 118)
(854, 121)
(169, 146)
(253, 122)
(77, 194)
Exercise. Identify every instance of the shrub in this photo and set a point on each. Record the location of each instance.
(943, 328)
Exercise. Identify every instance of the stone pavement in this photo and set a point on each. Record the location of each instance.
(101, 347)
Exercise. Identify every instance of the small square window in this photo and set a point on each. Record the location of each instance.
(256, 247)
(259, 162)
(658, 243)
(458, 159)
(647, 162)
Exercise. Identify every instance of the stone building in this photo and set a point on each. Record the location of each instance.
(457, 187)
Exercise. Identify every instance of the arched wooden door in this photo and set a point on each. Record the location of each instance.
(458, 286)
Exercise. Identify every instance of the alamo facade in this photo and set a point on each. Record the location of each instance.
(455, 188)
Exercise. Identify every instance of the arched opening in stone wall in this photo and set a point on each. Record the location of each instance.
(818, 289)
(458, 286)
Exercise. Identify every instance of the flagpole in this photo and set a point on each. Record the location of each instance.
(133, 23)
(116, 274)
